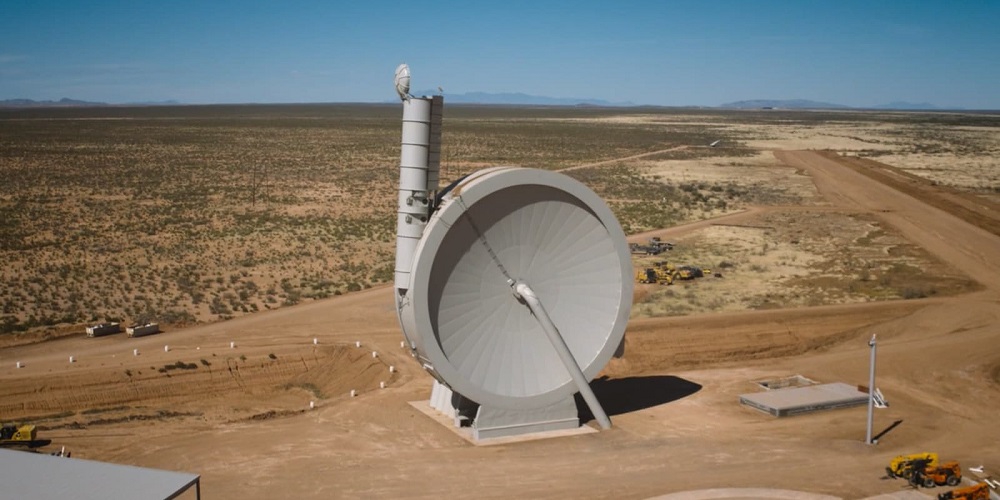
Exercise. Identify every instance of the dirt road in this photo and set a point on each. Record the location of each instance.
(971, 249)
(673, 398)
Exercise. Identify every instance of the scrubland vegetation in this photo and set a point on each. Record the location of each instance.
(202, 213)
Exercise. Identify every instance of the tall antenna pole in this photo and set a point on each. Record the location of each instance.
(871, 391)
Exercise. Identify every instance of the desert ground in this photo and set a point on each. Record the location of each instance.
(827, 228)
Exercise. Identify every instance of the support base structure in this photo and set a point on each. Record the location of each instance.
(487, 423)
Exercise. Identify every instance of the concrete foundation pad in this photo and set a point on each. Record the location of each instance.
(785, 402)
(466, 432)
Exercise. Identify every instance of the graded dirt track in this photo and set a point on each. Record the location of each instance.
(672, 398)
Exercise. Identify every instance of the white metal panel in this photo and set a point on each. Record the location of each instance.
(40, 476)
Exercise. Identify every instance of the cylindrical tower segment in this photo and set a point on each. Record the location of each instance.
(413, 200)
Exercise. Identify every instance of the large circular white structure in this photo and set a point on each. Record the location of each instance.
(513, 286)
(504, 226)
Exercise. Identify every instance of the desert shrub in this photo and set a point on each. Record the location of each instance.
(917, 292)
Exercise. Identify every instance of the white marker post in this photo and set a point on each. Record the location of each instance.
(871, 391)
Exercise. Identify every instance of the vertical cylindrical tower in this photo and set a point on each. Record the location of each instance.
(434, 158)
(413, 202)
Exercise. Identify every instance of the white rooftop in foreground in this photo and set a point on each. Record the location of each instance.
(40, 476)
(784, 402)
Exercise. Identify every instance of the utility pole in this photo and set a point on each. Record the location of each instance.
(871, 391)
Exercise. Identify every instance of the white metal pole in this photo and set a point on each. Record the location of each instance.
(523, 291)
(871, 391)
(434, 153)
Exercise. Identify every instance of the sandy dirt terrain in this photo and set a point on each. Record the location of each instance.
(240, 416)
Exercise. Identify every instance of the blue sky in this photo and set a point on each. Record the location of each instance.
(859, 53)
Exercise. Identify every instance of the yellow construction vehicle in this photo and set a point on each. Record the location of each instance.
(654, 275)
(11, 434)
(666, 272)
(949, 473)
(904, 465)
(689, 272)
(980, 491)
(647, 275)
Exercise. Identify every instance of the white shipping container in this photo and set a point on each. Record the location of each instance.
(103, 329)
(140, 330)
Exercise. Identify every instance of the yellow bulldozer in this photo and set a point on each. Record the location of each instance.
(11, 434)
(665, 273)
(690, 272)
(655, 275)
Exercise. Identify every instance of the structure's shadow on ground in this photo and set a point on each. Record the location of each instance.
(625, 395)
(886, 430)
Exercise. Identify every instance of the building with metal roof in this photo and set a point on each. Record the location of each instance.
(40, 476)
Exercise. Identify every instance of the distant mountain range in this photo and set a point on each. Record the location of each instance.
(66, 102)
(807, 104)
(63, 103)
(782, 103)
(520, 99)
(908, 105)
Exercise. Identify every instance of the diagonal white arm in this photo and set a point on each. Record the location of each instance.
(523, 292)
